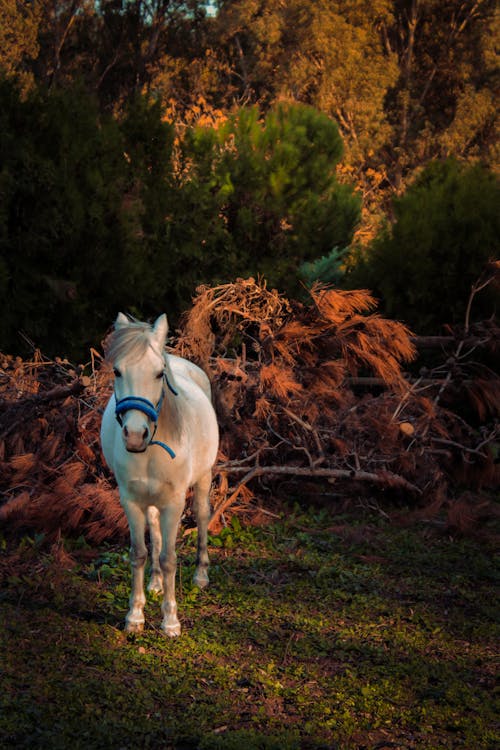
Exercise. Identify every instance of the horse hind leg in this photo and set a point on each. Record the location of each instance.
(156, 581)
(201, 507)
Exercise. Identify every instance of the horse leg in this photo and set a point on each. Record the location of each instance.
(201, 507)
(134, 621)
(169, 521)
(156, 580)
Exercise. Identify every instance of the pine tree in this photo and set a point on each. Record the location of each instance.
(260, 197)
(446, 228)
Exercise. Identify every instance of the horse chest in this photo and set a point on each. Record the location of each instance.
(150, 487)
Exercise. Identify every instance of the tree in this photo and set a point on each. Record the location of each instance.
(19, 23)
(442, 103)
(329, 269)
(446, 228)
(327, 54)
(406, 80)
(79, 221)
(260, 197)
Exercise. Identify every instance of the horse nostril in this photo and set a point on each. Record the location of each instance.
(125, 431)
(145, 434)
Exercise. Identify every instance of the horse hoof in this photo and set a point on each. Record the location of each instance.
(171, 631)
(200, 580)
(155, 586)
(134, 627)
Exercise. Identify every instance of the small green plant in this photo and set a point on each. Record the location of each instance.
(327, 270)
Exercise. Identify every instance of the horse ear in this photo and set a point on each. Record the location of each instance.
(121, 321)
(160, 330)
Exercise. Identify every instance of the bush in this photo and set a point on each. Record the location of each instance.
(260, 197)
(446, 227)
(328, 269)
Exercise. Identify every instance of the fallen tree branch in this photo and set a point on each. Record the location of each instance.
(305, 426)
(23, 406)
(386, 478)
(439, 342)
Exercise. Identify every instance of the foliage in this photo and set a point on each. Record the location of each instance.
(82, 205)
(445, 229)
(320, 630)
(407, 80)
(442, 100)
(346, 71)
(328, 269)
(98, 216)
(259, 197)
(18, 39)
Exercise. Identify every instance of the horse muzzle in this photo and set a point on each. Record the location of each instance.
(135, 440)
(130, 413)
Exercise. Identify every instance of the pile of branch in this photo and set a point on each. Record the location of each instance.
(286, 381)
(53, 478)
(312, 399)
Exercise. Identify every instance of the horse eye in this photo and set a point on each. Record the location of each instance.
(160, 375)
(117, 372)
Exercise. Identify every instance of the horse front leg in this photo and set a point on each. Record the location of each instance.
(156, 581)
(134, 621)
(169, 522)
(201, 507)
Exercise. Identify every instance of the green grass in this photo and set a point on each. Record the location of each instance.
(374, 638)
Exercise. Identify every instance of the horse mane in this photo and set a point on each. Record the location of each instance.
(132, 342)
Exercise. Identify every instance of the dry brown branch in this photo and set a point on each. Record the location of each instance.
(386, 479)
(20, 408)
(308, 392)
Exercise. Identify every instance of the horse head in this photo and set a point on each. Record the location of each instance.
(136, 353)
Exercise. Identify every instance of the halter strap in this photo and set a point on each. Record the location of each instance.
(169, 385)
(139, 404)
(148, 408)
(164, 446)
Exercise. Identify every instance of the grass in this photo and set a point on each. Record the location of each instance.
(316, 632)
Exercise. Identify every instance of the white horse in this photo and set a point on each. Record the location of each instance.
(159, 436)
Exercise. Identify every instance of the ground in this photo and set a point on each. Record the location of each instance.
(318, 631)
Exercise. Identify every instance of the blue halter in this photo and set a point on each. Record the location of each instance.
(148, 408)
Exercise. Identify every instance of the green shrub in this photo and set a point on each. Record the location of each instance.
(260, 197)
(100, 214)
(328, 269)
(445, 229)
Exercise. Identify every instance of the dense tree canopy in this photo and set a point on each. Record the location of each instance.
(406, 80)
(77, 218)
(155, 144)
(101, 213)
(261, 197)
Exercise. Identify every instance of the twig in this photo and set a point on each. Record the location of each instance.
(453, 444)
(384, 478)
(475, 289)
(305, 426)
